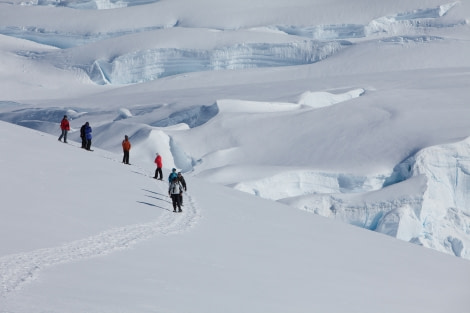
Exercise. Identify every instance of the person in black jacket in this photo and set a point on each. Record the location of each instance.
(82, 135)
(88, 136)
(183, 183)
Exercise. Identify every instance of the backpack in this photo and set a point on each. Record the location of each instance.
(172, 176)
(174, 188)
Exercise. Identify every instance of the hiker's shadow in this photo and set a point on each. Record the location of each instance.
(160, 197)
(154, 192)
(164, 200)
(151, 204)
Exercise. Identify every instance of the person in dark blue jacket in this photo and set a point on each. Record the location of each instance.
(88, 135)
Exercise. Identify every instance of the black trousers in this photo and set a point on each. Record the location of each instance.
(84, 142)
(176, 201)
(64, 135)
(125, 159)
(158, 171)
(88, 144)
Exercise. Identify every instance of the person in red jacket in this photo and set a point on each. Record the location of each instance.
(158, 162)
(126, 147)
(65, 127)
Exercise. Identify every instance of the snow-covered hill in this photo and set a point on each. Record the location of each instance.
(83, 232)
(356, 111)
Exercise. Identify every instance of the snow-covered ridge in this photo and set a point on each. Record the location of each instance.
(417, 22)
(64, 40)
(401, 24)
(146, 63)
(149, 65)
(161, 57)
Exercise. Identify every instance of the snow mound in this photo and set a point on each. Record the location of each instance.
(123, 114)
(241, 106)
(323, 99)
(309, 99)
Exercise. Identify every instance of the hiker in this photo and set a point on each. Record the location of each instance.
(126, 147)
(65, 127)
(172, 175)
(175, 191)
(183, 183)
(88, 136)
(83, 136)
(158, 171)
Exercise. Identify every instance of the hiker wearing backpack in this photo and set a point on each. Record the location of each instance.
(183, 184)
(175, 191)
(172, 175)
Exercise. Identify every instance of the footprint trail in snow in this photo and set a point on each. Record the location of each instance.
(19, 269)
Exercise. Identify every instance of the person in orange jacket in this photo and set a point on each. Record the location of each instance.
(158, 171)
(126, 147)
(65, 127)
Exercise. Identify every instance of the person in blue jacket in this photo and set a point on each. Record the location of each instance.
(172, 175)
(88, 135)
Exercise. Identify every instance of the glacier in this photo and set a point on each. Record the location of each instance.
(423, 199)
(430, 206)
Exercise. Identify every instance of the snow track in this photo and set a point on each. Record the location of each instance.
(18, 269)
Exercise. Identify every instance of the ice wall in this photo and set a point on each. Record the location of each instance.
(152, 64)
(425, 201)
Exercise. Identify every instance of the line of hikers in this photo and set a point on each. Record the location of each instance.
(176, 181)
(176, 184)
(175, 190)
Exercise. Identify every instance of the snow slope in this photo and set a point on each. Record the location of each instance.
(356, 111)
(343, 97)
(84, 232)
(276, 112)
